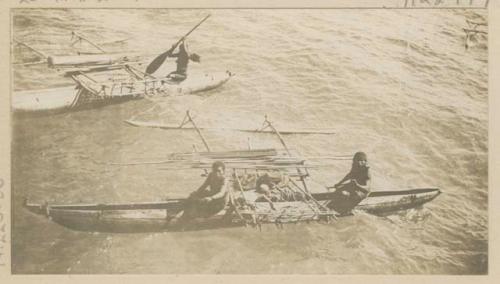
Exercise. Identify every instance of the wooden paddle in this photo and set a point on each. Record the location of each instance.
(158, 61)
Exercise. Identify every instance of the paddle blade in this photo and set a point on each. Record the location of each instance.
(157, 62)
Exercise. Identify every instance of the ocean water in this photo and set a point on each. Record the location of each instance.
(396, 84)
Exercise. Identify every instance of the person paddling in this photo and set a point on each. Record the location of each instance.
(355, 186)
(183, 57)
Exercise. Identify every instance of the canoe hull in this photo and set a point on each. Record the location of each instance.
(73, 98)
(44, 100)
(158, 216)
(387, 202)
(122, 218)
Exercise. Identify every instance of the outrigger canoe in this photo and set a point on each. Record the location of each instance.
(112, 87)
(285, 171)
(157, 216)
(89, 92)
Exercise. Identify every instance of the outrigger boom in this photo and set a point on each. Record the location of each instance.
(284, 161)
(263, 159)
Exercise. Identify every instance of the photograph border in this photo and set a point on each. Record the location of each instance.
(6, 81)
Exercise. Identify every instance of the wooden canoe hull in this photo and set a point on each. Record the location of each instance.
(67, 98)
(157, 216)
(44, 100)
(387, 202)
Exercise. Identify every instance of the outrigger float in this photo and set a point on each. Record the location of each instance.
(245, 207)
(103, 79)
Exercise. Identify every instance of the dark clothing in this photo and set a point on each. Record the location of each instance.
(213, 187)
(264, 179)
(344, 203)
(361, 175)
(347, 196)
(182, 62)
(197, 208)
(180, 74)
(269, 180)
(176, 77)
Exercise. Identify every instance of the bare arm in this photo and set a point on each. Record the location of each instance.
(269, 201)
(346, 178)
(365, 188)
(205, 184)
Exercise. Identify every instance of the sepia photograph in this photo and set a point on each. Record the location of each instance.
(249, 141)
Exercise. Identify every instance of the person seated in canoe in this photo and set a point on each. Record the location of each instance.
(211, 197)
(264, 184)
(183, 58)
(355, 186)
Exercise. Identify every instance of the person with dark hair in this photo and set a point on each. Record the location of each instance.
(183, 58)
(355, 186)
(274, 189)
(211, 197)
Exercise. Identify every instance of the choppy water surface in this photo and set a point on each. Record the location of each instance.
(396, 84)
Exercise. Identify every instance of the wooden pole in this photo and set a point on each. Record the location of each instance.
(234, 207)
(312, 198)
(30, 48)
(132, 71)
(140, 72)
(73, 33)
(30, 63)
(262, 130)
(269, 124)
(183, 122)
(158, 61)
(86, 76)
(116, 41)
(239, 184)
(84, 85)
(190, 119)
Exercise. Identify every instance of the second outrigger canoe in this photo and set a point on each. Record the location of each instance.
(89, 92)
(99, 82)
(158, 216)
